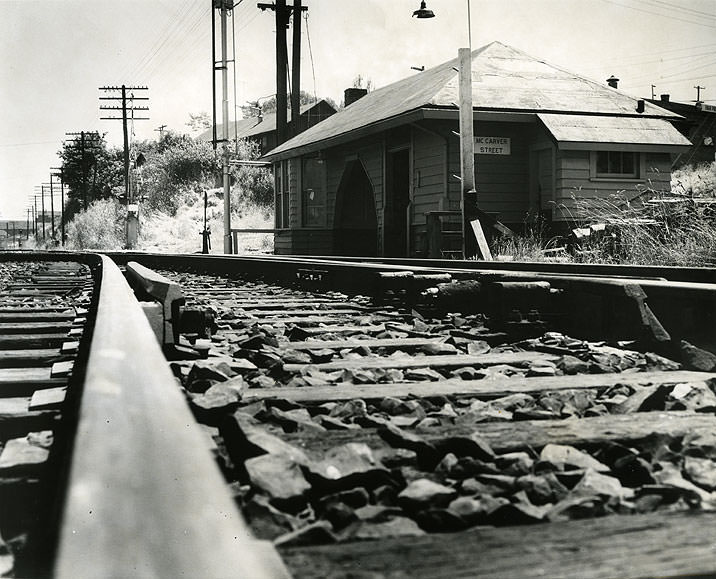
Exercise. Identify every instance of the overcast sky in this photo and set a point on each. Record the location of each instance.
(55, 54)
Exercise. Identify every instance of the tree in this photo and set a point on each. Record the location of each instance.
(252, 108)
(199, 122)
(91, 174)
(251, 184)
(175, 168)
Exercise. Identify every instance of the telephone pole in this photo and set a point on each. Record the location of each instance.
(698, 93)
(224, 7)
(52, 207)
(160, 130)
(61, 175)
(84, 140)
(283, 14)
(42, 188)
(119, 93)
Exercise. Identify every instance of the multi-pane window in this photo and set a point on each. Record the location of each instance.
(313, 192)
(281, 188)
(617, 164)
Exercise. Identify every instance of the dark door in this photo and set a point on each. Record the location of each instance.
(356, 223)
(396, 204)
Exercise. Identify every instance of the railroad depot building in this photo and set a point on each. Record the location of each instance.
(379, 177)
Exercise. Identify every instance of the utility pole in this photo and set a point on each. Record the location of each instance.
(653, 94)
(34, 215)
(60, 174)
(698, 93)
(160, 129)
(87, 140)
(224, 7)
(467, 159)
(296, 70)
(120, 94)
(43, 212)
(283, 14)
(52, 207)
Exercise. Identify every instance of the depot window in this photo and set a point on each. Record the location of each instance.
(313, 192)
(617, 164)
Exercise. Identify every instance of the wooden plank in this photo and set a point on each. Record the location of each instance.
(35, 327)
(23, 374)
(518, 435)
(298, 312)
(19, 424)
(37, 317)
(481, 241)
(32, 341)
(20, 387)
(48, 399)
(444, 361)
(372, 343)
(343, 329)
(34, 308)
(289, 303)
(27, 358)
(299, 320)
(14, 405)
(625, 546)
(484, 389)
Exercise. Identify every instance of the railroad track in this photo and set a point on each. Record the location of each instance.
(365, 438)
(43, 314)
(378, 420)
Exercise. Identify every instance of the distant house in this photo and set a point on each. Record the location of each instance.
(698, 124)
(262, 129)
(370, 179)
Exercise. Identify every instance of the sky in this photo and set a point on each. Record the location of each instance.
(55, 54)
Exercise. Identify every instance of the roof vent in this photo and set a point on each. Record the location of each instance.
(351, 95)
(613, 81)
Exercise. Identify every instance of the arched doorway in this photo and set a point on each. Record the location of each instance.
(356, 222)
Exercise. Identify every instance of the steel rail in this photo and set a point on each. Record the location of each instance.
(145, 498)
(687, 309)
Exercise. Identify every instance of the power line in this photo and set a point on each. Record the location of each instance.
(310, 52)
(685, 10)
(615, 3)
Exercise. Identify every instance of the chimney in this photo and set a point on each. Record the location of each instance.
(640, 106)
(613, 81)
(665, 98)
(351, 95)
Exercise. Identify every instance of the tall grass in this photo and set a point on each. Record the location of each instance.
(648, 227)
(658, 229)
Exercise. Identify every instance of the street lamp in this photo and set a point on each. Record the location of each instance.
(423, 12)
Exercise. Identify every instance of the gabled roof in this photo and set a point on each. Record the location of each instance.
(253, 126)
(503, 79)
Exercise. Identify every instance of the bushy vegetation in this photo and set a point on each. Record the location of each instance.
(176, 169)
(169, 185)
(653, 227)
(100, 227)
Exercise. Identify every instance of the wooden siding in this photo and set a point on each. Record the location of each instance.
(304, 242)
(574, 180)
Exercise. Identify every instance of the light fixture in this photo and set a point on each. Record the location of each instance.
(423, 12)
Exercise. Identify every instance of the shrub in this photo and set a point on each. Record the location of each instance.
(100, 227)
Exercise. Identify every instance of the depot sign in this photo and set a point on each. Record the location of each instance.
(492, 146)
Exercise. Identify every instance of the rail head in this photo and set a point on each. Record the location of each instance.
(145, 498)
